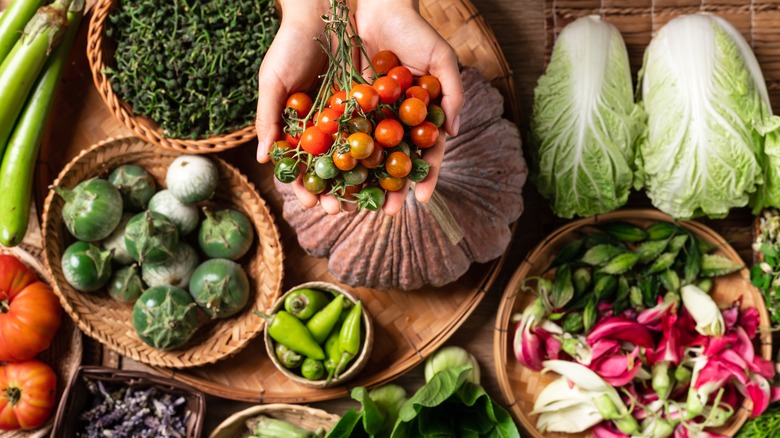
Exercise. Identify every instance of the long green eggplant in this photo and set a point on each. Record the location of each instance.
(12, 23)
(20, 69)
(16, 171)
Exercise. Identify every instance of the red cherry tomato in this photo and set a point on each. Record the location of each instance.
(374, 160)
(431, 84)
(392, 184)
(366, 97)
(315, 141)
(337, 101)
(402, 75)
(327, 121)
(398, 164)
(418, 92)
(300, 102)
(388, 89)
(424, 135)
(389, 133)
(383, 61)
(295, 140)
(412, 111)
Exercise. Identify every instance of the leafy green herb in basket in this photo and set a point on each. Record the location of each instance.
(765, 426)
(191, 66)
(765, 275)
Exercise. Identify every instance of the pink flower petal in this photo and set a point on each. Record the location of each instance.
(748, 319)
(759, 392)
(605, 429)
(529, 348)
(618, 370)
(623, 330)
(603, 347)
(551, 344)
(670, 349)
(730, 316)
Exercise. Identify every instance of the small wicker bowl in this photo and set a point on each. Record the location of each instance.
(100, 54)
(520, 386)
(109, 321)
(76, 398)
(301, 416)
(358, 363)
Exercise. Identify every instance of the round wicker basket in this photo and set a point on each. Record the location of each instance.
(109, 321)
(301, 416)
(100, 52)
(520, 386)
(358, 363)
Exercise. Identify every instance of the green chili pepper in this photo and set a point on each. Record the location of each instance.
(304, 303)
(332, 352)
(288, 358)
(321, 324)
(312, 369)
(349, 337)
(290, 332)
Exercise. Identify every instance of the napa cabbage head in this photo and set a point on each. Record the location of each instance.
(584, 121)
(708, 110)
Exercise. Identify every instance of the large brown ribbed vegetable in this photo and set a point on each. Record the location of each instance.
(481, 181)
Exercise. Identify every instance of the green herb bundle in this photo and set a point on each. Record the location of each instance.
(766, 274)
(191, 66)
(765, 426)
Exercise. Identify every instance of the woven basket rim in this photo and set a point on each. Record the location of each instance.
(503, 328)
(326, 418)
(173, 358)
(121, 110)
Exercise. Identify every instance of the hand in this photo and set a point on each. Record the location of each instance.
(397, 26)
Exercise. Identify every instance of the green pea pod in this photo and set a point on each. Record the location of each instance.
(304, 303)
(349, 337)
(321, 324)
(290, 332)
(312, 369)
(288, 358)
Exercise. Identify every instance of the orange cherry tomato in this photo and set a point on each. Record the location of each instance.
(402, 75)
(344, 161)
(431, 84)
(300, 102)
(418, 92)
(398, 164)
(337, 102)
(361, 145)
(284, 147)
(327, 121)
(389, 133)
(315, 141)
(388, 89)
(365, 96)
(412, 111)
(392, 184)
(374, 160)
(424, 135)
(383, 61)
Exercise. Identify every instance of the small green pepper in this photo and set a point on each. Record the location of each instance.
(321, 324)
(290, 332)
(304, 303)
(349, 337)
(332, 352)
(312, 369)
(288, 358)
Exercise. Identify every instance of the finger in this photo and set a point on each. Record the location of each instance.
(433, 156)
(330, 204)
(307, 198)
(395, 200)
(271, 101)
(445, 68)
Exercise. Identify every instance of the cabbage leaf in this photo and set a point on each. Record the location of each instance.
(585, 121)
(708, 112)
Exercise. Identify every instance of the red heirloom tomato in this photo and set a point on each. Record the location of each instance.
(425, 135)
(389, 133)
(28, 393)
(14, 275)
(388, 89)
(29, 319)
(383, 61)
(365, 95)
(402, 75)
(300, 102)
(315, 141)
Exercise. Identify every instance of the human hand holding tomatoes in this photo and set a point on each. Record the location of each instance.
(28, 393)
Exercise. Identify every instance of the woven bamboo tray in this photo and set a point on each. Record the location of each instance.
(109, 321)
(65, 353)
(520, 385)
(408, 326)
(301, 416)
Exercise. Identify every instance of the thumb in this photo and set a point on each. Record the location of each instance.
(270, 104)
(444, 65)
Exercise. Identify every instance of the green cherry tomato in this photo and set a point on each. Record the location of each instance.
(313, 183)
(435, 115)
(324, 168)
(287, 170)
(420, 169)
(356, 176)
(359, 124)
(370, 198)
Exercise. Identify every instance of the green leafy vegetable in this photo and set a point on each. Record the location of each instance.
(765, 426)
(705, 98)
(584, 121)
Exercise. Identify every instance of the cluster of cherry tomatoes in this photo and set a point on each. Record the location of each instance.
(358, 143)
